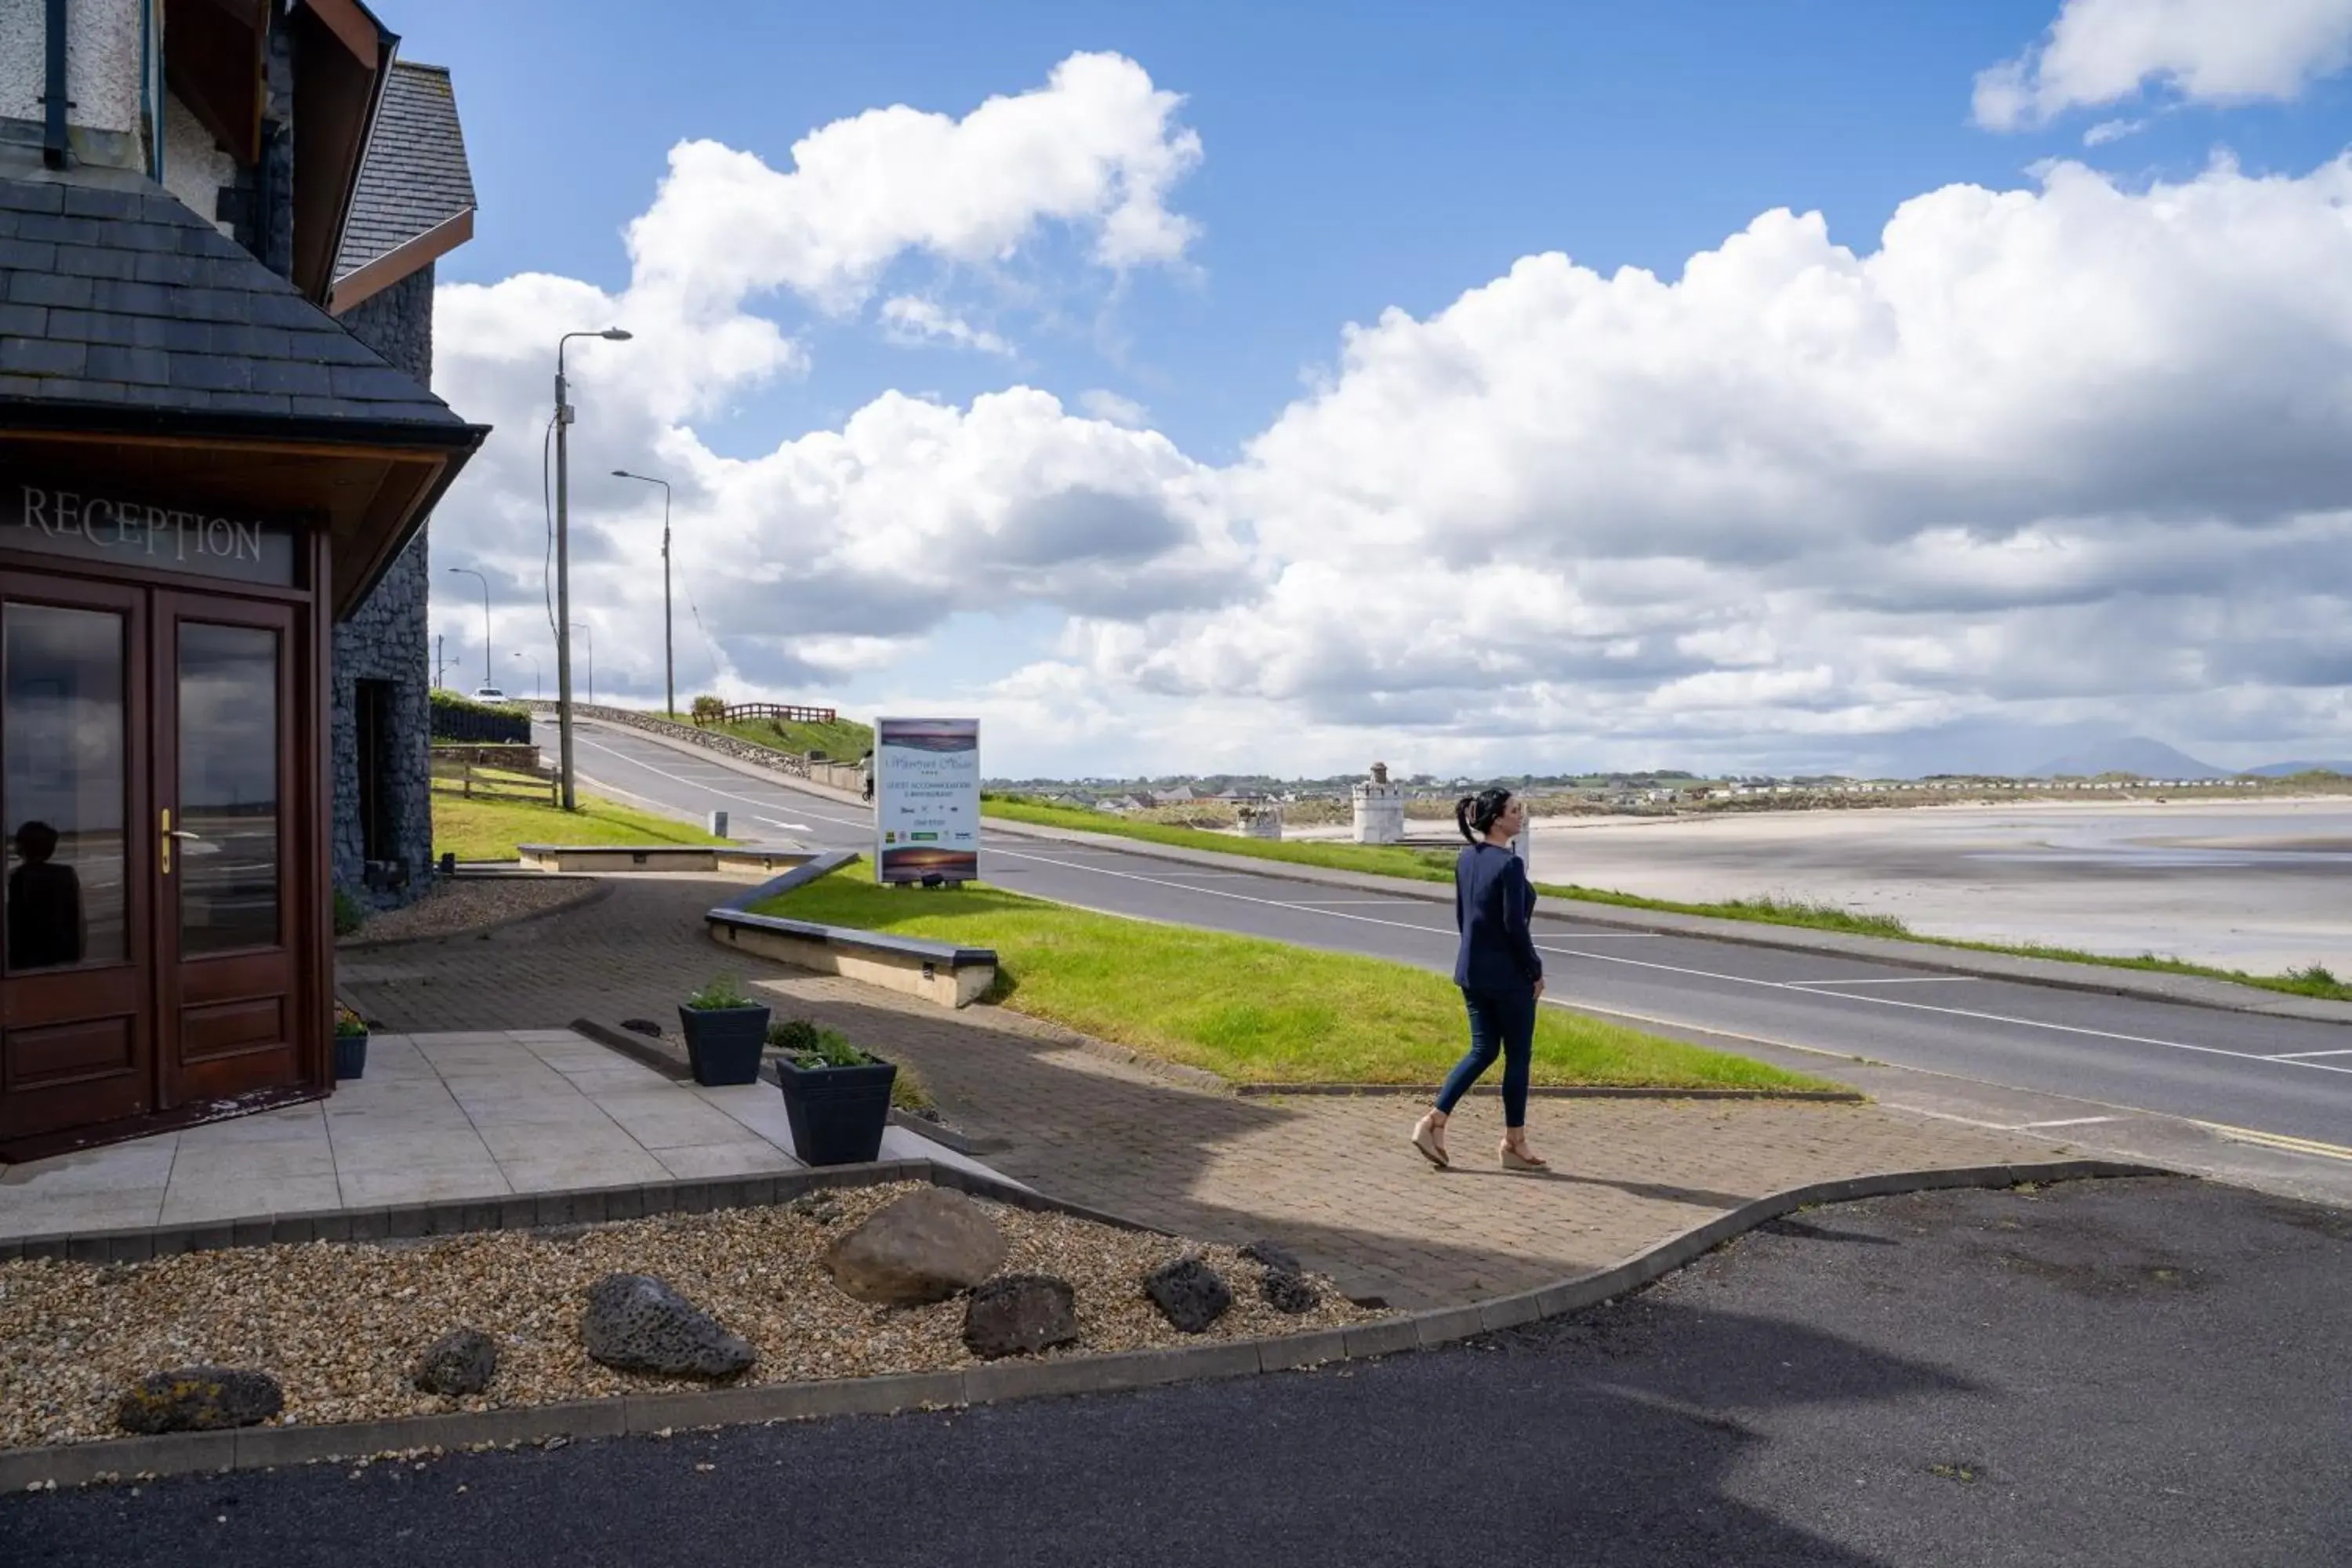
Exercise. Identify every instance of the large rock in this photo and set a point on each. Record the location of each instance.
(199, 1399)
(1189, 1294)
(462, 1361)
(636, 1323)
(1020, 1314)
(1288, 1292)
(924, 1247)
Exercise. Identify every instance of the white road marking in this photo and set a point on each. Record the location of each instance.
(2069, 1121)
(787, 827)
(2300, 1056)
(1906, 980)
(2291, 1061)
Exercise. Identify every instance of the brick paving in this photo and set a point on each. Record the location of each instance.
(1331, 1177)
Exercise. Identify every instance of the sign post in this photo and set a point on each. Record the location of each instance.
(927, 801)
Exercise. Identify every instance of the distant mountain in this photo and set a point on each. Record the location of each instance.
(2133, 755)
(2284, 770)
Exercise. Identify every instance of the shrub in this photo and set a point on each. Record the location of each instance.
(724, 990)
(350, 913)
(708, 709)
(811, 1045)
(348, 1022)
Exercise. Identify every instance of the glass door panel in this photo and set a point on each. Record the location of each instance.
(63, 786)
(226, 838)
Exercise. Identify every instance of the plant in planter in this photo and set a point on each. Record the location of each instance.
(351, 1044)
(837, 1095)
(725, 1030)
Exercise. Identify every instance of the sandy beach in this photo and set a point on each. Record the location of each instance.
(2258, 885)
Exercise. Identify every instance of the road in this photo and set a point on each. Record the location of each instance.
(2108, 1374)
(2287, 1077)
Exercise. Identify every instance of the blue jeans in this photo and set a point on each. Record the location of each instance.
(1502, 1022)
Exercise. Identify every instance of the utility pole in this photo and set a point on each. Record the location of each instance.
(439, 664)
(564, 559)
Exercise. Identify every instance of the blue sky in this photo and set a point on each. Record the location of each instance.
(1354, 159)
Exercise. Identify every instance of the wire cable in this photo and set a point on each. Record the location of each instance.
(546, 510)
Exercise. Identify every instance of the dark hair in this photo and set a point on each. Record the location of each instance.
(1475, 814)
(36, 841)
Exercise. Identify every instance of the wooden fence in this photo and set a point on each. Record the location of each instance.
(790, 714)
(465, 778)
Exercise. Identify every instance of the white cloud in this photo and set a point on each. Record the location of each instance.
(908, 320)
(2104, 51)
(2035, 458)
(1126, 412)
(2107, 131)
(2043, 456)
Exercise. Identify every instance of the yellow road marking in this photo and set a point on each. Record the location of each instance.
(2280, 1141)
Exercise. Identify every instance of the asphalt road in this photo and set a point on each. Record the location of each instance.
(2240, 1070)
(2097, 1374)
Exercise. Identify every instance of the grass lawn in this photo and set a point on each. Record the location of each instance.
(489, 829)
(1437, 866)
(843, 741)
(1250, 1010)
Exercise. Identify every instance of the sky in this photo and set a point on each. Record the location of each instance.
(1745, 386)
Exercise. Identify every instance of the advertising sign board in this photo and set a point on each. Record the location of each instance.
(927, 800)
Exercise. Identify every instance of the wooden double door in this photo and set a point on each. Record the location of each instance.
(154, 795)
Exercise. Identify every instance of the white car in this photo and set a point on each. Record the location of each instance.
(489, 694)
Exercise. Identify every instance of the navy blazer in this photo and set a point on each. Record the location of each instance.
(1492, 902)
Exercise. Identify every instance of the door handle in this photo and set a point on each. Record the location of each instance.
(164, 858)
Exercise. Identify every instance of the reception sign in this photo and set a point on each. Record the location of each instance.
(927, 800)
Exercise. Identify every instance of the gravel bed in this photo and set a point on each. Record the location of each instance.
(468, 903)
(341, 1324)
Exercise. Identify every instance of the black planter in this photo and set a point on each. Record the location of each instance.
(837, 1114)
(723, 1044)
(350, 1056)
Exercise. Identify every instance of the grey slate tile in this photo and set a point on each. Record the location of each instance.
(109, 361)
(211, 372)
(89, 261)
(88, 201)
(28, 321)
(48, 288)
(131, 298)
(32, 196)
(293, 377)
(41, 356)
(33, 254)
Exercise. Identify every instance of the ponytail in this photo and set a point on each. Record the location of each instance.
(1475, 814)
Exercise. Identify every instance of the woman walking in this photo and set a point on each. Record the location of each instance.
(1499, 971)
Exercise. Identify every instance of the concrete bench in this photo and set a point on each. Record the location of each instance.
(938, 971)
(659, 858)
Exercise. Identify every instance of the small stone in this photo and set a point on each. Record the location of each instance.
(635, 1322)
(1020, 1314)
(924, 1247)
(1274, 1256)
(1189, 1294)
(818, 1206)
(462, 1361)
(1289, 1293)
(199, 1399)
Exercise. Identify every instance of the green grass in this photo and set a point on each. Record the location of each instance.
(1250, 1010)
(489, 829)
(843, 741)
(1437, 866)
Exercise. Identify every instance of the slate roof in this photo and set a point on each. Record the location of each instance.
(122, 297)
(415, 175)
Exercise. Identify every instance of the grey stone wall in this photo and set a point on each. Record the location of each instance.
(387, 639)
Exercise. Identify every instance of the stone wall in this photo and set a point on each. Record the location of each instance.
(387, 640)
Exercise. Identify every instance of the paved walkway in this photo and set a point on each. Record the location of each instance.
(1331, 1177)
(473, 1115)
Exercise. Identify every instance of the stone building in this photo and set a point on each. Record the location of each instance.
(218, 220)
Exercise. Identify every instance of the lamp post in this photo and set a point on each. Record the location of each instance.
(585, 627)
(535, 682)
(485, 582)
(564, 414)
(669, 652)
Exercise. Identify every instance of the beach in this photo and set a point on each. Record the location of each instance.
(2263, 886)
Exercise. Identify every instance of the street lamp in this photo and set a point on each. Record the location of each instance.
(585, 627)
(485, 582)
(669, 653)
(535, 681)
(564, 414)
